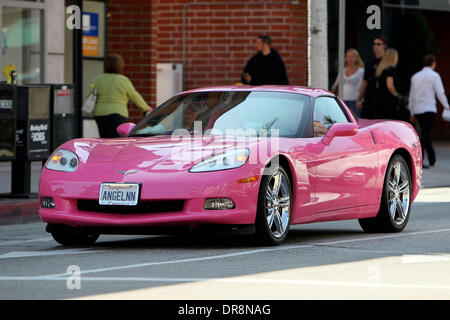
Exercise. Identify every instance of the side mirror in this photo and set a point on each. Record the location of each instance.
(124, 129)
(340, 130)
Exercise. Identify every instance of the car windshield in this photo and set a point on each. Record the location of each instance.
(236, 113)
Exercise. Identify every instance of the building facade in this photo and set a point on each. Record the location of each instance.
(32, 40)
(212, 40)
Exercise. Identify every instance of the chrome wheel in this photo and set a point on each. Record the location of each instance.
(395, 203)
(278, 204)
(398, 189)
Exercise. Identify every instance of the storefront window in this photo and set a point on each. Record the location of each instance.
(21, 44)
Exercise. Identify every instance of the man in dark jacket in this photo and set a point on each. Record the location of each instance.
(266, 66)
(368, 86)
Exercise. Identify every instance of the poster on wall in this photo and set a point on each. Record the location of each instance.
(90, 34)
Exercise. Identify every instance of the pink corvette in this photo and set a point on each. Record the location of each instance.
(261, 158)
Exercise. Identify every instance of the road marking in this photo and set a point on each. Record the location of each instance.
(223, 256)
(151, 264)
(26, 254)
(12, 242)
(243, 253)
(389, 236)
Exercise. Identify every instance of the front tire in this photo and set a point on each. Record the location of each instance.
(395, 204)
(274, 211)
(68, 236)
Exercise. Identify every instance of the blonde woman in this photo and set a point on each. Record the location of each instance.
(386, 96)
(353, 76)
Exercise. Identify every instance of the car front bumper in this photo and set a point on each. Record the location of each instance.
(191, 189)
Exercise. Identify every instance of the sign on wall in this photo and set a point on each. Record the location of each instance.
(90, 34)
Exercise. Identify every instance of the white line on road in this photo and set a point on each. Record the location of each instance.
(13, 242)
(26, 254)
(236, 254)
(151, 264)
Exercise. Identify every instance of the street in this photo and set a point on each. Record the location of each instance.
(153, 114)
(333, 260)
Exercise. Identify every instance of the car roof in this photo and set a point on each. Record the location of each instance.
(313, 92)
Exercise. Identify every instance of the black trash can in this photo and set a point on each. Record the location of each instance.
(63, 118)
(8, 99)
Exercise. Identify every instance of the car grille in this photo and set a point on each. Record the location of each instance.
(159, 206)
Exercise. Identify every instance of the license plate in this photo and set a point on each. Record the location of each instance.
(119, 194)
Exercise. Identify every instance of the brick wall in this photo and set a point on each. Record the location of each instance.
(129, 34)
(220, 38)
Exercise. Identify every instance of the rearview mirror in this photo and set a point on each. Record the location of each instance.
(340, 130)
(125, 128)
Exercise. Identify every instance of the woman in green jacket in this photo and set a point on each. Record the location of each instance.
(114, 90)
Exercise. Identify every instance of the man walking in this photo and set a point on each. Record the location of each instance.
(368, 85)
(266, 66)
(425, 86)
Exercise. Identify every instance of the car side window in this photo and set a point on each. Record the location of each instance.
(326, 113)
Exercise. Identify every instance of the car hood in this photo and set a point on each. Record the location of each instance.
(162, 153)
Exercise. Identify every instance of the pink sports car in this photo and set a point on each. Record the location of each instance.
(261, 158)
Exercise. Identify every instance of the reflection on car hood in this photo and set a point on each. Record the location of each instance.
(162, 153)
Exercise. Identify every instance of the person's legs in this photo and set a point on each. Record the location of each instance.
(368, 111)
(115, 121)
(426, 121)
(352, 105)
(107, 125)
(101, 124)
(364, 112)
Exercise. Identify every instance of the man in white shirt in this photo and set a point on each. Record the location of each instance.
(426, 85)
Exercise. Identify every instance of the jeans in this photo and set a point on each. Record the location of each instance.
(107, 125)
(426, 122)
(352, 105)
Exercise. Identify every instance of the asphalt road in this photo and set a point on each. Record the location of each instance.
(333, 260)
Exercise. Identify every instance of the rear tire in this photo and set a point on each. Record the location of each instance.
(395, 203)
(274, 211)
(68, 236)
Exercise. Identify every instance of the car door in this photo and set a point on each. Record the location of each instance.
(345, 169)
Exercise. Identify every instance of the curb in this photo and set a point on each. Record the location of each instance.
(18, 212)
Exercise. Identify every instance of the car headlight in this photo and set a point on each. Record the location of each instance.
(228, 160)
(63, 160)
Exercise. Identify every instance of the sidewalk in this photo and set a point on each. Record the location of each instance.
(14, 211)
(439, 175)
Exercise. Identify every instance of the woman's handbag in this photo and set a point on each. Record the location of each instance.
(89, 104)
(446, 115)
